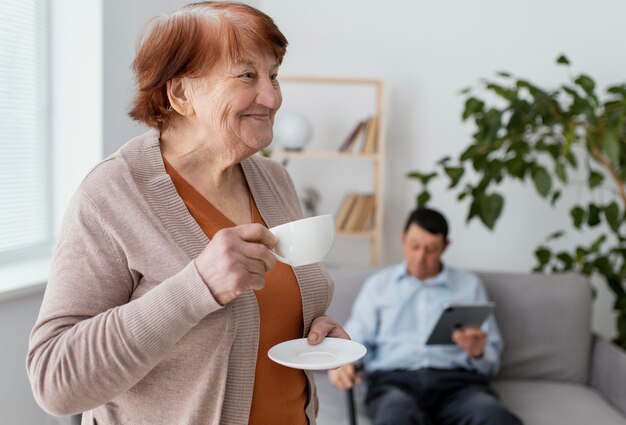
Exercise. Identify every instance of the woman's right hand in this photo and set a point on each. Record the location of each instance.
(236, 259)
(344, 377)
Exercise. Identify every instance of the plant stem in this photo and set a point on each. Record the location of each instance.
(597, 154)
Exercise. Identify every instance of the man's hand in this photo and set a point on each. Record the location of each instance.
(344, 377)
(324, 326)
(471, 340)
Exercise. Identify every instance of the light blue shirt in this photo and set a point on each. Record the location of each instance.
(395, 312)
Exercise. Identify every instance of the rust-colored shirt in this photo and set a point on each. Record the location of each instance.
(280, 393)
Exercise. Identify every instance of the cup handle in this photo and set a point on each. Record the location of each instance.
(278, 257)
(281, 259)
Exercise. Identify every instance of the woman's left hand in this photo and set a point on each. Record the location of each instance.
(324, 326)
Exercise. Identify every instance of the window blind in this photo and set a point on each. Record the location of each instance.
(25, 187)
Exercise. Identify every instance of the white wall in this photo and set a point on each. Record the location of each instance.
(76, 95)
(426, 52)
(17, 404)
(123, 21)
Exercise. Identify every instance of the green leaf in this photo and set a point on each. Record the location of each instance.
(595, 179)
(603, 265)
(504, 74)
(555, 197)
(542, 180)
(586, 83)
(562, 59)
(595, 247)
(611, 146)
(581, 253)
(517, 167)
(616, 286)
(571, 158)
(473, 210)
(472, 107)
(566, 259)
(560, 172)
(578, 215)
(611, 212)
(455, 174)
(543, 255)
(465, 90)
(587, 268)
(619, 89)
(554, 149)
(503, 92)
(621, 331)
(444, 160)
(594, 215)
(555, 235)
(472, 151)
(490, 208)
(423, 199)
(423, 178)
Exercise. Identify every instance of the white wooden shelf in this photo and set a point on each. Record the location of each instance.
(377, 158)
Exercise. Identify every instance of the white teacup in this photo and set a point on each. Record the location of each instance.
(304, 241)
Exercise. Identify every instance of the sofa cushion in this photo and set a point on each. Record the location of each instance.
(556, 403)
(535, 402)
(545, 321)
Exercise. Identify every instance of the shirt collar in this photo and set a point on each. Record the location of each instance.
(442, 278)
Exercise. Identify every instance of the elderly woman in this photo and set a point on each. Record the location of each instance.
(164, 297)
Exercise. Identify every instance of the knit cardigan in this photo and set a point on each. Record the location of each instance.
(128, 332)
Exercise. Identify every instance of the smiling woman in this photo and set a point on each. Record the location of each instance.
(164, 296)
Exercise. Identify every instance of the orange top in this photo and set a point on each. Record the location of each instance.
(280, 393)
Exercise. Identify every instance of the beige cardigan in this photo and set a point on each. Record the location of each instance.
(128, 332)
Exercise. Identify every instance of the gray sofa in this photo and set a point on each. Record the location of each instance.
(554, 370)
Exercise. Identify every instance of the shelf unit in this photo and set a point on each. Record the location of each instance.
(377, 158)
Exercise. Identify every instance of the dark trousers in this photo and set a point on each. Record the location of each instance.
(434, 397)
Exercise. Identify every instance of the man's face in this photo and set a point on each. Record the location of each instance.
(422, 251)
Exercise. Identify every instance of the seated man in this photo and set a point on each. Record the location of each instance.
(410, 382)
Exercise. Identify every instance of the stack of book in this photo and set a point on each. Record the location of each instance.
(356, 213)
(363, 138)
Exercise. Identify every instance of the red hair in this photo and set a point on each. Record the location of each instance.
(190, 42)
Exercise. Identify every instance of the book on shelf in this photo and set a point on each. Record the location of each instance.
(371, 136)
(366, 215)
(355, 213)
(360, 213)
(352, 138)
(344, 210)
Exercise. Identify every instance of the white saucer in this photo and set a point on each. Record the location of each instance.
(329, 354)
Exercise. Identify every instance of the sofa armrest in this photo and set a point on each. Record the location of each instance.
(608, 371)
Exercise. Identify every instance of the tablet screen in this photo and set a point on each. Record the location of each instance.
(458, 316)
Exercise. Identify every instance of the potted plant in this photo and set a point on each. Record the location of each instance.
(545, 136)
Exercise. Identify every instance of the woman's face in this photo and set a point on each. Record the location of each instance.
(236, 102)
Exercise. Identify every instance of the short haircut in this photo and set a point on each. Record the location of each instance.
(430, 220)
(189, 43)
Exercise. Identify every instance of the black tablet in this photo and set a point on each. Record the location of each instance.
(458, 316)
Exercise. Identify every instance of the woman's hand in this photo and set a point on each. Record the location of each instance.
(344, 377)
(236, 259)
(471, 340)
(324, 326)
